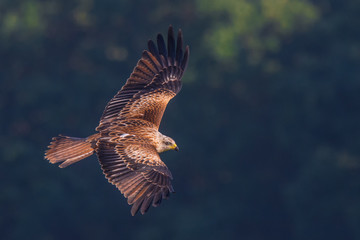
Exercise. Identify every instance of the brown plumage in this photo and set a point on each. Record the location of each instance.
(127, 141)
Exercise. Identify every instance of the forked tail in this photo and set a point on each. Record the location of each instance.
(69, 150)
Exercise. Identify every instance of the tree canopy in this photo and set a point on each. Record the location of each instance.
(267, 120)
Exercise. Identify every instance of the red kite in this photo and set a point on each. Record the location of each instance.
(127, 141)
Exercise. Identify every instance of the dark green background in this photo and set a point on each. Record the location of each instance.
(267, 121)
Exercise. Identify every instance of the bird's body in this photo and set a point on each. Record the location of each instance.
(128, 141)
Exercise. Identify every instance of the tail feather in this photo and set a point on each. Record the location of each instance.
(68, 150)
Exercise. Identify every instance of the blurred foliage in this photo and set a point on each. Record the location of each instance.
(267, 120)
(254, 25)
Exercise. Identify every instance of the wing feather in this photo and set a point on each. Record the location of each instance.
(171, 46)
(184, 61)
(179, 45)
(162, 47)
(154, 52)
(157, 198)
(160, 69)
(136, 170)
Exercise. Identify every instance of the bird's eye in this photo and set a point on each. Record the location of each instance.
(168, 143)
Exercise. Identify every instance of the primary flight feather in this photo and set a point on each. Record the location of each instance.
(127, 141)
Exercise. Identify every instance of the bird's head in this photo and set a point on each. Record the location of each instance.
(166, 143)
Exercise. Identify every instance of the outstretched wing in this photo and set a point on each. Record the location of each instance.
(154, 81)
(136, 169)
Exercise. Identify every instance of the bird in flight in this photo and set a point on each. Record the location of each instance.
(128, 141)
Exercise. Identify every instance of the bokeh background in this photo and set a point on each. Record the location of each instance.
(267, 120)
